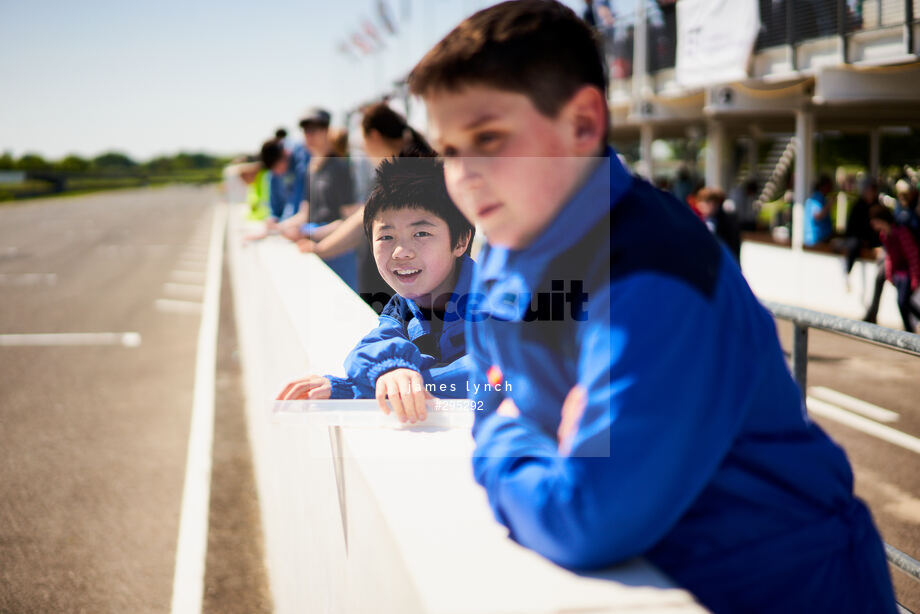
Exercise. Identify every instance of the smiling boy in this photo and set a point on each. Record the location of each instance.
(420, 243)
(666, 423)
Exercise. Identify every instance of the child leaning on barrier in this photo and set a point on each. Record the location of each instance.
(421, 243)
(661, 419)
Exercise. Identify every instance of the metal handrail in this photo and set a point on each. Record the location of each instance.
(902, 341)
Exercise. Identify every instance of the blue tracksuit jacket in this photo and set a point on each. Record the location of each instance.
(694, 449)
(403, 340)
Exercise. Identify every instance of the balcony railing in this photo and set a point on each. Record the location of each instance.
(783, 22)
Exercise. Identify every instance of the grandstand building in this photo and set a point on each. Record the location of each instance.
(757, 80)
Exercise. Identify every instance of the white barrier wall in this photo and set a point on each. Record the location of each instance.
(816, 281)
(381, 519)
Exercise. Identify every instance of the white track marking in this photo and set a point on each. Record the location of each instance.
(187, 277)
(191, 264)
(169, 305)
(869, 427)
(131, 340)
(859, 406)
(184, 290)
(192, 547)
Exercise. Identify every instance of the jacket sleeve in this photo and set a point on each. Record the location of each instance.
(343, 388)
(384, 349)
(658, 421)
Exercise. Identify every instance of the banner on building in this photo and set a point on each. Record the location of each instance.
(715, 39)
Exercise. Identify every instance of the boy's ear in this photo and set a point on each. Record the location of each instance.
(462, 244)
(586, 113)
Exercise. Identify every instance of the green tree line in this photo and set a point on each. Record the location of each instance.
(113, 162)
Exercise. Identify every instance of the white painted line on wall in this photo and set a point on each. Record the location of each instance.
(169, 305)
(192, 546)
(859, 406)
(131, 340)
(869, 427)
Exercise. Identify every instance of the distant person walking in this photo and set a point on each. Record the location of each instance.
(902, 261)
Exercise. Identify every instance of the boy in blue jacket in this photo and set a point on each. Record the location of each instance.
(654, 413)
(421, 245)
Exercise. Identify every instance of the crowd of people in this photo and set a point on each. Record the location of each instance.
(629, 399)
(312, 192)
(878, 225)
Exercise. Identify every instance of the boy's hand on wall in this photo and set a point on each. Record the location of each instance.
(405, 388)
(572, 409)
(306, 246)
(290, 231)
(311, 387)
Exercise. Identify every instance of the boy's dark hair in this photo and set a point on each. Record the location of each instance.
(280, 134)
(272, 151)
(539, 48)
(416, 183)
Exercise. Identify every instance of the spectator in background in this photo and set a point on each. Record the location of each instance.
(666, 38)
(287, 185)
(859, 232)
(907, 208)
(338, 137)
(331, 196)
(902, 261)
(817, 226)
(276, 161)
(721, 223)
(255, 176)
(743, 197)
(693, 196)
(386, 135)
(588, 15)
(683, 185)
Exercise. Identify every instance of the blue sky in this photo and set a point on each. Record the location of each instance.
(152, 78)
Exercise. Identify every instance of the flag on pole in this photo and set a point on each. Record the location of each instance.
(361, 43)
(372, 33)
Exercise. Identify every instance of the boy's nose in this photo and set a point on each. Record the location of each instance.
(465, 174)
(402, 253)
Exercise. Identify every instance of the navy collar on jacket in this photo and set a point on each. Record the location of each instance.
(419, 324)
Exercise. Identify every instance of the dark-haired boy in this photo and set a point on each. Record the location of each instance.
(665, 423)
(287, 182)
(421, 243)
